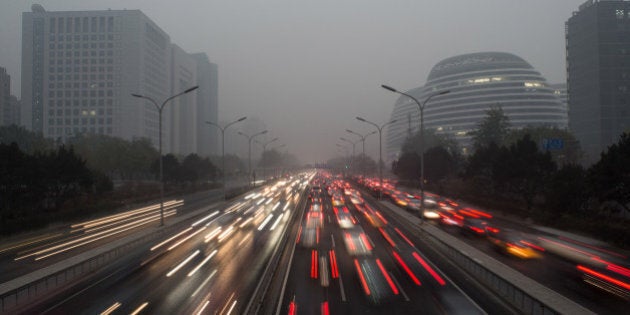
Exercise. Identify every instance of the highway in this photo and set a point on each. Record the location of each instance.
(553, 271)
(359, 262)
(211, 265)
(35, 252)
(347, 254)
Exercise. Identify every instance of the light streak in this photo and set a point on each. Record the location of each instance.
(206, 218)
(140, 308)
(110, 309)
(262, 226)
(192, 272)
(205, 304)
(276, 223)
(204, 282)
(186, 238)
(212, 234)
(387, 277)
(170, 239)
(426, 266)
(183, 263)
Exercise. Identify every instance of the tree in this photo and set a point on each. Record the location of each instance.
(65, 175)
(407, 167)
(28, 141)
(523, 170)
(438, 164)
(570, 153)
(609, 178)
(566, 190)
(194, 169)
(481, 168)
(491, 129)
(170, 168)
(116, 157)
(431, 139)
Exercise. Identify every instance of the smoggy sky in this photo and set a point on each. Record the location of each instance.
(307, 68)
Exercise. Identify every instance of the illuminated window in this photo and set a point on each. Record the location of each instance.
(619, 13)
(532, 84)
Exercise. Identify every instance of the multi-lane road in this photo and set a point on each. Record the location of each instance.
(213, 264)
(344, 255)
(359, 262)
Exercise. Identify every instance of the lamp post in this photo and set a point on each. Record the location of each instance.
(249, 152)
(160, 108)
(421, 107)
(363, 137)
(264, 146)
(353, 151)
(223, 146)
(380, 149)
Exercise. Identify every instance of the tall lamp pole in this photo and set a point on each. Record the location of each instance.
(421, 107)
(353, 149)
(264, 146)
(160, 108)
(223, 146)
(380, 149)
(249, 152)
(362, 139)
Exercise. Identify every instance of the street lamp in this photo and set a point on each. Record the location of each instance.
(264, 146)
(363, 137)
(160, 108)
(353, 147)
(380, 149)
(223, 146)
(249, 164)
(421, 107)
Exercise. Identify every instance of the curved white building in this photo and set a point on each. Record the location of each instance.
(476, 82)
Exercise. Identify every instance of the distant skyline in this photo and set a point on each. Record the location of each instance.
(308, 68)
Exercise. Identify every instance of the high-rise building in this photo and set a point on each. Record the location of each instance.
(598, 74)
(9, 104)
(182, 111)
(207, 105)
(476, 82)
(79, 69)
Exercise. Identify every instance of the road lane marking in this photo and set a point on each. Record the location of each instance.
(400, 287)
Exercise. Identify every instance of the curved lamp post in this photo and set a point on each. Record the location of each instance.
(362, 139)
(380, 149)
(249, 154)
(421, 107)
(264, 146)
(223, 146)
(160, 108)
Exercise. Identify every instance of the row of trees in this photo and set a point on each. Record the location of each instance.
(511, 165)
(33, 187)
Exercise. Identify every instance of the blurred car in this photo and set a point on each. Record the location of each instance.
(357, 243)
(400, 199)
(309, 237)
(476, 227)
(314, 219)
(515, 244)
